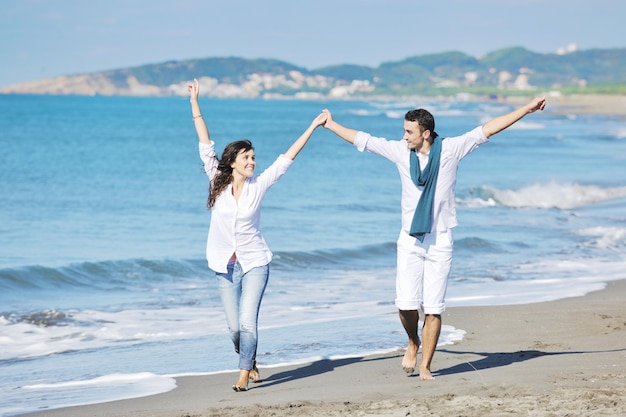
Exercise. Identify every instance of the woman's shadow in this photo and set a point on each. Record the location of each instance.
(315, 368)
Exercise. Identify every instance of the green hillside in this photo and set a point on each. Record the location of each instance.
(598, 68)
(507, 71)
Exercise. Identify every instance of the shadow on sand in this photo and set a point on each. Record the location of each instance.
(490, 360)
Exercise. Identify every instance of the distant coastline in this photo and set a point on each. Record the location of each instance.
(575, 74)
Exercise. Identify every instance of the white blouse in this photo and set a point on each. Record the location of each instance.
(234, 226)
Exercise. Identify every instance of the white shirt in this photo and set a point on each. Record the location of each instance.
(234, 226)
(453, 149)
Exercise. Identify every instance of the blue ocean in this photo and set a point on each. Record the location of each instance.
(104, 289)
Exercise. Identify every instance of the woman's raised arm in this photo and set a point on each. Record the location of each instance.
(297, 146)
(196, 115)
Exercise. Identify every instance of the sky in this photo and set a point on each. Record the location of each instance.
(42, 39)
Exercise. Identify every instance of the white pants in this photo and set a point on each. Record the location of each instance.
(422, 271)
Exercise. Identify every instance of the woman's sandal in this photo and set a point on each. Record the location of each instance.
(237, 388)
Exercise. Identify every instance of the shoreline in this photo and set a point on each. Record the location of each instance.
(580, 104)
(563, 104)
(563, 357)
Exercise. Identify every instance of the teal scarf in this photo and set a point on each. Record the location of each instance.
(422, 219)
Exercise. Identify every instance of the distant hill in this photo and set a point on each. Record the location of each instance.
(506, 71)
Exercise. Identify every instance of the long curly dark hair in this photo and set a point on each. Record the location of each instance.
(224, 175)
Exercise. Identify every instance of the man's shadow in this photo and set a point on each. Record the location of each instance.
(492, 360)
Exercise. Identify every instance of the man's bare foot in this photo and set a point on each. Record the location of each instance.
(425, 374)
(409, 361)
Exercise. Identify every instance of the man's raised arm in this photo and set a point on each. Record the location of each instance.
(500, 123)
(343, 132)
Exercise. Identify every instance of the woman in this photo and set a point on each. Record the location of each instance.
(236, 250)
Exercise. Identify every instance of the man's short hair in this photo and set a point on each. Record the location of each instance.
(424, 118)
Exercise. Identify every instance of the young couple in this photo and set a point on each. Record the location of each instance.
(240, 257)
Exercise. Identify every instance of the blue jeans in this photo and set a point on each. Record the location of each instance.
(241, 296)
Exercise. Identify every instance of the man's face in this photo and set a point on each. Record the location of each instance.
(414, 135)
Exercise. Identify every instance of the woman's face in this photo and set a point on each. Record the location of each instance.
(245, 163)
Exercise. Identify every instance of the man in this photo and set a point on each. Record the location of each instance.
(428, 168)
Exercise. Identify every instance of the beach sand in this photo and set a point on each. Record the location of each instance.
(561, 358)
